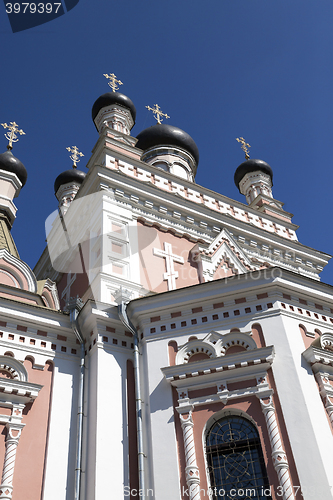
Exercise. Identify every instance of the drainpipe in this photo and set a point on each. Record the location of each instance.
(75, 306)
(127, 323)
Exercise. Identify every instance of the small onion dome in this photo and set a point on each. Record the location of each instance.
(9, 163)
(72, 175)
(252, 166)
(163, 135)
(113, 98)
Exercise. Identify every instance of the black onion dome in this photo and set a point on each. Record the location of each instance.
(163, 134)
(113, 98)
(9, 163)
(252, 166)
(72, 175)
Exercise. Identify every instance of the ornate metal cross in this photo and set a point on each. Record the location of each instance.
(244, 146)
(157, 111)
(75, 156)
(113, 81)
(11, 135)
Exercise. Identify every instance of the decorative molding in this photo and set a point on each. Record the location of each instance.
(279, 456)
(9, 262)
(191, 468)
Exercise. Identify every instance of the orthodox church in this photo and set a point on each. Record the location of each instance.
(170, 343)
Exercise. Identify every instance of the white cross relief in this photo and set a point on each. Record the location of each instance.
(67, 290)
(171, 275)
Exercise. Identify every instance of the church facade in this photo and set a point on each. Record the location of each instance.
(170, 342)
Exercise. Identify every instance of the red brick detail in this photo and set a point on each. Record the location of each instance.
(155, 318)
(204, 319)
(22, 328)
(258, 308)
(263, 296)
(286, 296)
(63, 338)
(193, 321)
(105, 339)
(218, 305)
(124, 343)
(196, 310)
(173, 326)
(324, 318)
(53, 347)
(3, 323)
(163, 328)
(152, 330)
(299, 310)
(128, 334)
(176, 314)
(10, 337)
(302, 301)
(94, 341)
(22, 339)
(183, 323)
(114, 341)
(226, 315)
(236, 313)
(63, 348)
(308, 313)
(240, 301)
(291, 308)
(73, 351)
(43, 344)
(32, 341)
(215, 316)
(110, 329)
(318, 306)
(269, 305)
(41, 333)
(247, 310)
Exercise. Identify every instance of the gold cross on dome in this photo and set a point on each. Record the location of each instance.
(11, 135)
(113, 81)
(75, 155)
(244, 146)
(157, 111)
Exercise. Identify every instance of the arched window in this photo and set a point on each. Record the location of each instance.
(235, 461)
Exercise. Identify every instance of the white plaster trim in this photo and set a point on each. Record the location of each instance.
(22, 266)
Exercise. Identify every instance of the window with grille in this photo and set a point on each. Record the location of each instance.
(235, 461)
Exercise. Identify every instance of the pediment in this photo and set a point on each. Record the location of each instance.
(224, 250)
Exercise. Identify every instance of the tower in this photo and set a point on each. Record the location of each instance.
(187, 349)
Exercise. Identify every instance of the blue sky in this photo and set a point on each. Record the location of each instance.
(221, 69)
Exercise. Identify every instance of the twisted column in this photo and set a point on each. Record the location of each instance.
(191, 469)
(278, 454)
(14, 429)
(326, 392)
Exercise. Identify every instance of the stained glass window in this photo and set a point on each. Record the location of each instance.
(236, 464)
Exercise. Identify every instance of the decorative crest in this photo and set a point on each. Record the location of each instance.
(157, 113)
(244, 146)
(113, 81)
(75, 155)
(11, 135)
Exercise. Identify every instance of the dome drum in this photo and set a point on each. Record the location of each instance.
(163, 140)
(171, 159)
